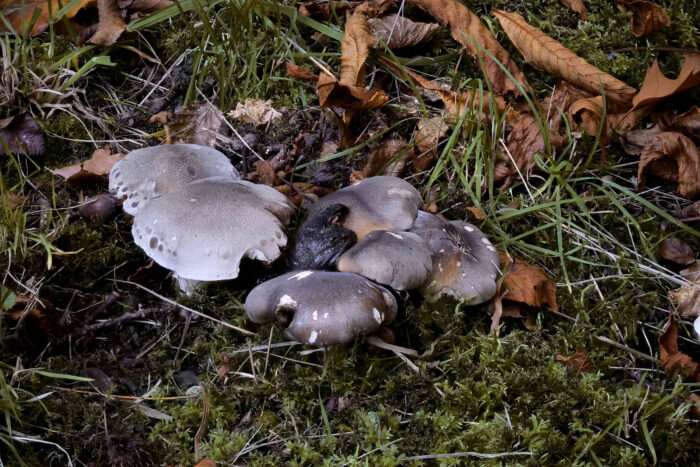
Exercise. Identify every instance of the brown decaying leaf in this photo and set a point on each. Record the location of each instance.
(587, 113)
(687, 123)
(579, 361)
(322, 11)
(673, 361)
(333, 94)
(198, 123)
(465, 24)
(647, 17)
(22, 135)
(578, 7)
(477, 213)
(428, 134)
(388, 158)
(100, 163)
(297, 190)
(528, 284)
(206, 462)
(111, 23)
(687, 297)
(295, 71)
(15, 199)
(12, 9)
(676, 250)
(546, 54)
(256, 112)
(355, 46)
(656, 87)
(396, 31)
(673, 157)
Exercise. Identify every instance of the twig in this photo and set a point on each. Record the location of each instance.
(116, 396)
(202, 426)
(464, 454)
(636, 353)
(188, 320)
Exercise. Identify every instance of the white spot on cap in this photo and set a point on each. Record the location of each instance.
(459, 263)
(300, 275)
(491, 248)
(286, 300)
(469, 228)
(378, 316)
(325, 315)
(193, 200)
(313, 336)
(485, 241)
(315, 315)
(395, 235)
(442, 250)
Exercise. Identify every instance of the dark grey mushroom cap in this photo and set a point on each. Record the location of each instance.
(465, 264)
(400, 260)
(375, 203)
(325, 308)
(202, 230)
(147, 173)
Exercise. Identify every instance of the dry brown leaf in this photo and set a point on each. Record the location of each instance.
(647, 17)
(465, 25)
(295, 71)
(387, 158)
(477, 213)
(634, 141)
(687, 297)
(206, 462)
(687, 123)
(111, 23)
(100, 163)
(578, 7)
(355, 46)
(264, 174)
(676, 250)
(579, 361)
(15, 199)
(22, 135)
(322, 11)
(198, 123)
(333, 94)
(297, 190)
(396, 31)
(656, 87)
(546, 54)
(428, 134)
(256, 112)
(673, 361)
(528, 284)
(673, 157)
(12, 9)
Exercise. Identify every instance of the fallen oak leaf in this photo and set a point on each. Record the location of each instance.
(387, 158)
(333, 94)
(579, 361)
(578, 7)
(198, 123)
(687, 297)
(111, 24)
(465, 25)
(428, 134)
(673, 361)
(656, 87)
(687, 123)
(295, 71)
(546, 54)
(676, 250)
(397, 31)
(22, 135)
(647, 17)
(17, 11)
(354, 48)
(528, 284)
(322, 11)
(673, 157)
(99, 164)
(256, 112)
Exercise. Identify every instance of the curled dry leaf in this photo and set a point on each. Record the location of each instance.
(297, 190)
(389, 158)
(100, 163)
(673, 157)
(546, 54)
(265, 174)
(687, 123)
(647, 17)
(687, 298)
(322, 11)
(578, 7)
(22, 135)
(477, 213)
(12, 9)
(465, 25)
(355, 46)
(295, 71)
(333, 94)
(198, 123)
(673, 361)
(111, 23)
(634, 141)
(656, 87)
(676, 250)
(15, 199)
(579, 361)
(428, 134)
(206, 462)
(256, 112)
(527, 284)
(396, 31)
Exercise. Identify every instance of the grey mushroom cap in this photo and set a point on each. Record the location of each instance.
(465, 263)
(147, 173)
(325, 308)
(202, 230)
(400, 260)
(375, 203)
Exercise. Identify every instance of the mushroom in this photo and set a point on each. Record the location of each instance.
(325, 308)
(375, 203)
(397, 259)
(147, 173)
(465, 264)
(321, 240)
(202, 230)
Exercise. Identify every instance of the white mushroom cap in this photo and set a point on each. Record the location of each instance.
(397, 259)
(328, 308)
(203, 229)
(465, 264)
(147, 173)
(375, 203)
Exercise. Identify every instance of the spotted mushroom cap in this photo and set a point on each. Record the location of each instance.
(465, 264)
(147, 173)
(203, 229)
(325, 308)
(375, 203)
(400, 260)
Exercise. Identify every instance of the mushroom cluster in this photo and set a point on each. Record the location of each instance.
(193, 214)
(372, 230)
